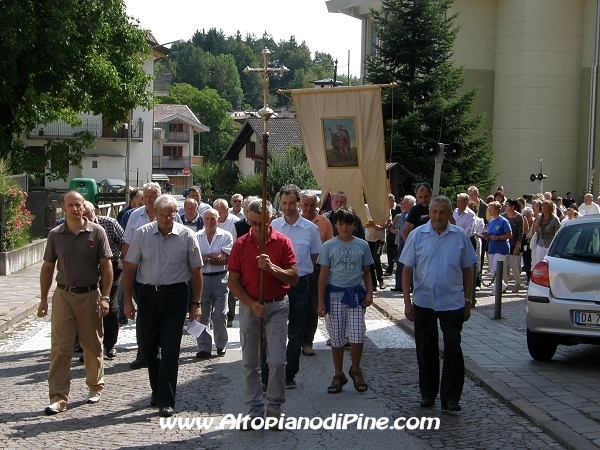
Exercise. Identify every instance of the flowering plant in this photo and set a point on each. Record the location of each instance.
(18, 219)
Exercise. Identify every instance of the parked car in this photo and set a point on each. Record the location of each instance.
(111, 186)
(563, 298)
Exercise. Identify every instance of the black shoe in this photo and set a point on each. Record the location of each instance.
(388, 273)
(290, 383)
(166, 411)
(395, 289)
(153, 400)
(426, 403)
(139, 363)
(221, 352)
(201, 355)
(77, 348)
(451, 406)
(229, 323)
(123, 321)
(81, 358)
(347, 345)
(112, 353)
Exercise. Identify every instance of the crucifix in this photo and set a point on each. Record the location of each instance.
(266, 113)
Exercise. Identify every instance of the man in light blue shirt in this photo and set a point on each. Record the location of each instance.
(306, 241)
(437, 257)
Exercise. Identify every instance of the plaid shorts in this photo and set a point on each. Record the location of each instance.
(344, 324)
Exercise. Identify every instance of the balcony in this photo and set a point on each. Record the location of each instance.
(170, 162)
(94, 126)
(178, 136)
(196, 160)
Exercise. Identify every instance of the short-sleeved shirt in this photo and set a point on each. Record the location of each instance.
(229, 225)
(137, 218)
(358, 230)
(305, 239)
(437, 261)
(77, 255)
(418, 215)
(498, 227)
(243, 260)
(221, 242)
(164, 259)
(345, 261)
(239, 215)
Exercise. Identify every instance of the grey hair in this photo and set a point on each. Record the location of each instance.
(527, 211)
(165, 200)
(211, 210)
(310, 194)
(463, 196)
(89, 205)
(255, 206)
(220, 202)
(411, 199)
(249, 199)
(237, 196)
(191, 200)
(444, 200)
(151, 186)
(391, 196)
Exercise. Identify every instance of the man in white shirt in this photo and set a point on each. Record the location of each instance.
(589, 207)
(226, 220)
(306, 241)
(465, 217)
(215, 247)
(236, 206)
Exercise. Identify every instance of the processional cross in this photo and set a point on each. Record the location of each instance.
(266, 113)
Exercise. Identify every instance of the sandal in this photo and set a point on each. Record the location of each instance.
(360, 386)
(336, 388)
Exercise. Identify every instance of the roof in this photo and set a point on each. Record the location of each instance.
(283, 133)
(168, 113)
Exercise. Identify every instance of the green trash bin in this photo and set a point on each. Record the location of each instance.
(86, 187)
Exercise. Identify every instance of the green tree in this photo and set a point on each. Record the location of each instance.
(64, 57)
(415, 51)
(293, 168)
(226, 80)
(211, 110)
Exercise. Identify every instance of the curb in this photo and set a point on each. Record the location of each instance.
(492, 385)
(18, 314)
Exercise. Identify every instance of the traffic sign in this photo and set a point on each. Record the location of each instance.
(185, 171)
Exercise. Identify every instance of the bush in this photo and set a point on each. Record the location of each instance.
(18, 219)
(250, 184)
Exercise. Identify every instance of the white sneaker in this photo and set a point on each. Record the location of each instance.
(56, 407)
(93, 397)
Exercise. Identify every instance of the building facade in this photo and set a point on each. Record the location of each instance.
(536, 63)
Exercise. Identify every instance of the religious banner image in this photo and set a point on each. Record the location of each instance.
(340, 142)
(342, 137)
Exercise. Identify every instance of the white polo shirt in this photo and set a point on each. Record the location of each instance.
(305, 238)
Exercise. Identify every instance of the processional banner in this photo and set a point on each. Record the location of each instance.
(342, 135)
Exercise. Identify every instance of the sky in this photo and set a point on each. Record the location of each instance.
(307, 20)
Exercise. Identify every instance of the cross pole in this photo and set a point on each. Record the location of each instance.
(266, 113)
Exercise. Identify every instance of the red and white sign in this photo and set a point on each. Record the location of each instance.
(185, 171)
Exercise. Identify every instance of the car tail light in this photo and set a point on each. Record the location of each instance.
(539, 274)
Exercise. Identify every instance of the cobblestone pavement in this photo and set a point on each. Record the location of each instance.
(561, 396)
(212, 388)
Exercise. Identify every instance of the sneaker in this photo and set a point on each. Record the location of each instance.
(93, 397)
(381, 285)
(229, 323)
(308, 350)
(56, 407)
(279, 425)
(290, 383)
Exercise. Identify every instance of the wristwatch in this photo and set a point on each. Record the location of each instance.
(196, 303)
(105, 297)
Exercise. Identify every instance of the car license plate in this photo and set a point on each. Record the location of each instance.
(589, 318)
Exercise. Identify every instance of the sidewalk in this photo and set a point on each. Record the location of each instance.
(561, 396)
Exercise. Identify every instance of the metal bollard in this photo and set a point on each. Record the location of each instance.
(498, 290)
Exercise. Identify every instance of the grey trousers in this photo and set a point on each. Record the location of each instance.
(276, 334)
(214, 305)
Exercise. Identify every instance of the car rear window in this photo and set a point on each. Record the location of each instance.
(581, 242)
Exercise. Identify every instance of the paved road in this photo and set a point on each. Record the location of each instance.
(212, 388)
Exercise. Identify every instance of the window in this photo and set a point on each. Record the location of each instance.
(175, 128)
(173, 151)
(94, 164)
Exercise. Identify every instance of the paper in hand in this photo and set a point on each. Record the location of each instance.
(195, 328)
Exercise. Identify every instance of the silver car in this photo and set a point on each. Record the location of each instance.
(563, 299)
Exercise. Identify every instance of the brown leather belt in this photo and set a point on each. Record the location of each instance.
(214, 274)
(77, 290)
(276, 299)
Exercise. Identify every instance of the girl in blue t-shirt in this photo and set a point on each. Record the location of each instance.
(345, 290)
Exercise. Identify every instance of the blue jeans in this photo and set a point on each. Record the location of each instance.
(160, 319)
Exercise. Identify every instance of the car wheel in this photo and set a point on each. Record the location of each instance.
(541, 346)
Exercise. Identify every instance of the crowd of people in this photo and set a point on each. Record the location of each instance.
(158, 263)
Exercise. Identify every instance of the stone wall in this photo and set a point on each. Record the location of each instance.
(22, 257)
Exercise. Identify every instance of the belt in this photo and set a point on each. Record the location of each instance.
(164, 287)
(276, 299)
(77, 290)
(214, 274)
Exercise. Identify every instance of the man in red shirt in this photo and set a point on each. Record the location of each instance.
(280, 272)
